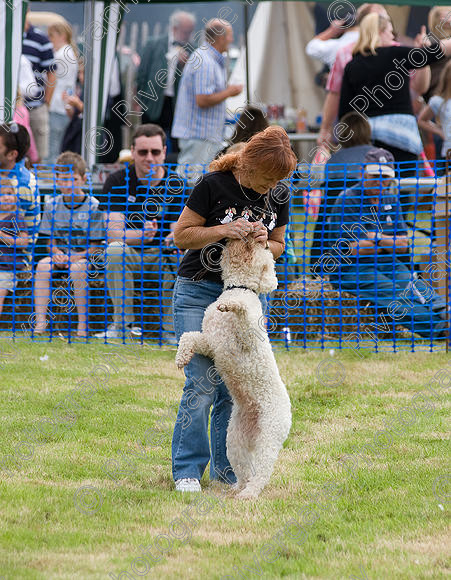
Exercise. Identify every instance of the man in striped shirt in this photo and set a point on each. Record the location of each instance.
(200, 110)
(38, 49)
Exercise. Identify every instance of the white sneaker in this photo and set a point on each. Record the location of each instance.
(135, 331)
(188, 484)
(115, 331)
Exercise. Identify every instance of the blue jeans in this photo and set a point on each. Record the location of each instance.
(389, 281)
(57, 126)
(203, 389)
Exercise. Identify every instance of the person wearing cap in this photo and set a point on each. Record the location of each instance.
(367, 237)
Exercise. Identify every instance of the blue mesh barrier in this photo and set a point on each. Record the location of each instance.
(365, 264)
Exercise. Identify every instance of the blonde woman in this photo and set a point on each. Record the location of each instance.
(439, 106)
(376, 84)
(439, 24)
(66, 55)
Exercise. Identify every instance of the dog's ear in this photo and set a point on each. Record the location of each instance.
(268, 279)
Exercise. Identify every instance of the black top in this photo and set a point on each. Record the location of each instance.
(220, 199)
(381, 75)
(139, 202)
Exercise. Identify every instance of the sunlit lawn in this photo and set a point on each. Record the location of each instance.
(389, 520)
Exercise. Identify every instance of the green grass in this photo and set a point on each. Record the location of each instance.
(386, 523)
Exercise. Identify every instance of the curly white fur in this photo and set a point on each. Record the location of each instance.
(233, 335)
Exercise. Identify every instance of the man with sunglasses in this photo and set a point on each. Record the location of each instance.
(367, 237)
(14, 145)
(141, 203)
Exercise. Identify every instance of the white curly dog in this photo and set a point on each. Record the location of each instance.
(234, 336)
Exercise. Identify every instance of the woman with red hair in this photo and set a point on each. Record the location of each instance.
(241, 195)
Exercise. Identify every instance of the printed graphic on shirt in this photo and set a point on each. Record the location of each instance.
(269, 218)
(230, 212)
(220, 199)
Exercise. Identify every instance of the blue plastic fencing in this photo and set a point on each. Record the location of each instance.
(368, 267)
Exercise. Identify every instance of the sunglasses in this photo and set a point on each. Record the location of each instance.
(144, 152)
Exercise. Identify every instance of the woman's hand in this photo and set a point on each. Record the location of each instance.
(260, 233)
(237, 229)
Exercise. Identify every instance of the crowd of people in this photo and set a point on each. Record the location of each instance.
(189, 84)
(131, 226)
(368, 73)
(127, 231)
(375, 87)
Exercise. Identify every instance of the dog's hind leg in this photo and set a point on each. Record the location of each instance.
(266, 448)
(265, 456)
(237, 453)
(191, 343)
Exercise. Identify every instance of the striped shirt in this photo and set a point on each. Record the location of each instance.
(39, 51)
(28, 196)
(204, 74)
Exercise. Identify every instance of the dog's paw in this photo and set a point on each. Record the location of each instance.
(183, 357)
(236, 487)
(236, 307)
(246, 494)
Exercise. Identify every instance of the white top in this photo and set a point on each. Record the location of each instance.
(27, 80)
(442, 110)
(326, 50)
(115, 81)
(66, 77)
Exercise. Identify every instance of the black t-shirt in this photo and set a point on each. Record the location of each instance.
(220, 199)
(375, 78)
(139, 202)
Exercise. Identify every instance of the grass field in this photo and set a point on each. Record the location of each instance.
(81, 500)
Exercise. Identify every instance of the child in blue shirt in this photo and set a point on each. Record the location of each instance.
(72, 228)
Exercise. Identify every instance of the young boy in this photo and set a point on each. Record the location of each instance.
(13, 238)
(73, 229)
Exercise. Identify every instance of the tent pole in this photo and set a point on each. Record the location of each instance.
(86, 145)
(246, 48)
